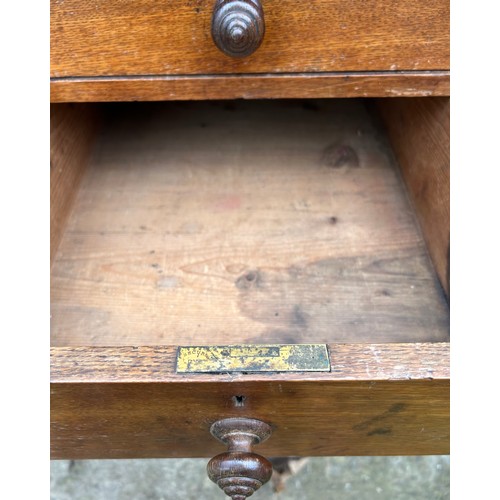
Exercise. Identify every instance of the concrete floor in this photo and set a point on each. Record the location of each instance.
(335, 478)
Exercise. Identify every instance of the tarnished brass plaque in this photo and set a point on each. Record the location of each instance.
(253, 358)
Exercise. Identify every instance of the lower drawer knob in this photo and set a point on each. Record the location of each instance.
(238, 26)
(239, 472)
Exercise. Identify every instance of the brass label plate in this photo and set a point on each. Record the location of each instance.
(253, 358)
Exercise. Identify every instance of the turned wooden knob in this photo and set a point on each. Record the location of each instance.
(239, 472)
(238, 26)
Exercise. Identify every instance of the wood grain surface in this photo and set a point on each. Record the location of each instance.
(248, 222)
(248, 86)
(419, 130)
(157, 364)
(72, 130)
(388, 399)
(147, 37)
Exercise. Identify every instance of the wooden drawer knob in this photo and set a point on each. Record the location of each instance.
(239, 472)
(238, 26)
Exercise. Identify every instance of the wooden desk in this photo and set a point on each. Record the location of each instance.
(249, 222)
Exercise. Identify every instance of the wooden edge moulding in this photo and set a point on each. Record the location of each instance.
(251, 86)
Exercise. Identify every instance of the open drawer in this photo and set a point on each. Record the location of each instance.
(236, 223)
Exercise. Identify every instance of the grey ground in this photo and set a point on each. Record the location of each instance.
(336, 478)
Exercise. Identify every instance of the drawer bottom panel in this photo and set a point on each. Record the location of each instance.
(243, 222)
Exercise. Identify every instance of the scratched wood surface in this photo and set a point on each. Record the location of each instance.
(390, 399)
(157, 364)
(147, 37)
(251, 86)
(251, 222)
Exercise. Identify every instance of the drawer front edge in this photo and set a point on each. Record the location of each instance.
(388, 399)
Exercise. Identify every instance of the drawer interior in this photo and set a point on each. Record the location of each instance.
(222, 222)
